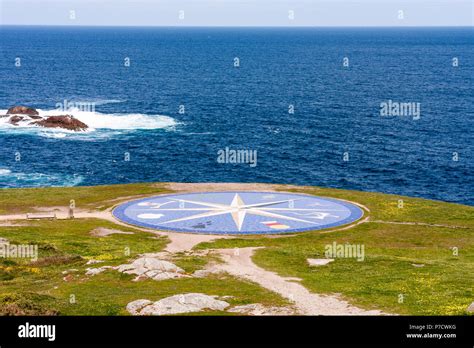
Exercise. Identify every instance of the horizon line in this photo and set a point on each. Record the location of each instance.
(237, 26)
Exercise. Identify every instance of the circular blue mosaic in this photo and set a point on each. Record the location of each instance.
(237, 212)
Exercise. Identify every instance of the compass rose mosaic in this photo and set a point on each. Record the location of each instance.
(237, 212)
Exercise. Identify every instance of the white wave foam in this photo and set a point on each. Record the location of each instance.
(103, 101)
(95, 121)
(5, 171)
(14, 179)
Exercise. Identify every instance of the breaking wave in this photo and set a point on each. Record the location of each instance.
(96, 121)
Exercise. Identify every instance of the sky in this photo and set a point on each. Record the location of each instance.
(238, 12)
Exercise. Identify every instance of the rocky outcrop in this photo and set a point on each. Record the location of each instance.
(22, 110)
(135, 307)
(26, 116)
(149, 267)
(183, 303)
(62, 121)
(14, 120)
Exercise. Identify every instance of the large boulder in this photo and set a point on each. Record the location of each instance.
(183, 303)
(149, 267)
(22, 110)
(62, 121)
(135, 307)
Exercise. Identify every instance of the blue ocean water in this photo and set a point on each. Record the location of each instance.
(337, 108)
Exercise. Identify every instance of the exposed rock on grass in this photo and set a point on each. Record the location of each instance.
(319, 262)
(94, 271)
(183, 303)
(135, 307)
(418, 265)
(149, 267)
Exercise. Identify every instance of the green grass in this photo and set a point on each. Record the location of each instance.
(112, 291)
(38, 288)
(23, 200)
(445, 285)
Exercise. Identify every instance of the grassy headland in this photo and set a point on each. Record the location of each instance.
(419, 256)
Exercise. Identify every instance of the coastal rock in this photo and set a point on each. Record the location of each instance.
(23, 115)
(183, 303)
(62, 121)
(22, 110)
(15, 119)
(149, 267)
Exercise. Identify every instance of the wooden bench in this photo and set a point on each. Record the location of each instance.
(38, 216)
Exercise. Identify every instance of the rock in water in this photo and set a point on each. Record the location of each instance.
(62, 121)
(22, 110)
(15, 119)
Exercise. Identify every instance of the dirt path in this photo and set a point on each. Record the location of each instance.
(241, 265)
(63, 213)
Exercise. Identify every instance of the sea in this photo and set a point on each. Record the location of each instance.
(374, 109)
